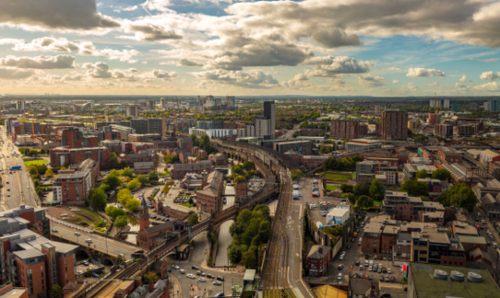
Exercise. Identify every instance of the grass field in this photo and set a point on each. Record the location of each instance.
(337, 177)
(35, 162)
(331, 187)
(88, 218)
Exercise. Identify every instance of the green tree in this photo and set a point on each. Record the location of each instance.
(459, 195)
(362, 189)
(377, 190)
(56, 291)
(49, 173)
(441, 174)
(121, 221)
(97, 199)
(150, 277)
(112, 181)
(364, 202)
(347, 188)
(124, 195)
(127, 172)
(134, 184)
(192, 218)
(133, 205)
(415, 188)
(113, 162)
(234, 254)
(113, 211)
(143, 179)
(421, 174)
(249, 258)
(153, 178)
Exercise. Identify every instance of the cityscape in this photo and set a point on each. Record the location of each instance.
(223, 148)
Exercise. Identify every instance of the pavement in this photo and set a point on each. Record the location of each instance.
(18, 188)
(87, 238)
(224, 240)
(197, 257)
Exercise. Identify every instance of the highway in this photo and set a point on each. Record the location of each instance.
(87, 238)
(18, 188)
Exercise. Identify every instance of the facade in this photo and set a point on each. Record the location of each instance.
(302, 147)
(61, 156)
(180, 170)
(73, 186)
(149, 125)
(317, 260)
(263, 128)
(400, 206)
(208, 199)
(270, 113)
(345, 129)
(394, 125)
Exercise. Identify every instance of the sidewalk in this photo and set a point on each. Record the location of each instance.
(176, 291)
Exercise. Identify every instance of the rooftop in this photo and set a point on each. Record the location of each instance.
(428, 287)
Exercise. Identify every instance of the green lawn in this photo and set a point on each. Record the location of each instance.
(331, 187)
(88, 218)
(337, 177)
(35, 162)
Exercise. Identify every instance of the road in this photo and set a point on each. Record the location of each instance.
(18, 188)
(81, 236)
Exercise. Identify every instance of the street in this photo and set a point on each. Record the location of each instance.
(17, 187)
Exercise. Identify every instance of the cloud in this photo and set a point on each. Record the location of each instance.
(8, 73)
(150, 32)
(489, 76)
(462, 79)
(334, 37)
(331, 66)
(239, 52)
(372, 80)
(159, 74)
(59, 14)
(490, 86)
(298, 81)
(98, 70)
(251, 79)
(418, 72)
(187, 62)
(39, 62)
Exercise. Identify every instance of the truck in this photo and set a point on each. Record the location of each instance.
(15, 168)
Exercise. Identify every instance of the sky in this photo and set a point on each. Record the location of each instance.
(238, 47)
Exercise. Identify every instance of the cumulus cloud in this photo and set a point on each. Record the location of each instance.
(490, 86)
(39, 62)
(489, 76)
(187, 62)
(418, 72)
(371, 80)
(165, 75)
(331, 66)
(151, 32)
(60, 14)
(98, 70)
(8, 73)
(251, 79)
(334, 37)
(298, 81)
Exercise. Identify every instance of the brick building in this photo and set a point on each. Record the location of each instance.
(346, 129)
(317, 260)
(61, 156)
(73, 186)
(208, 199)
(394, 125)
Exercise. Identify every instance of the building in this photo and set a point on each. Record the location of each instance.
(302, 147)
(444, 130)
(132, 111)
(8, 291)
(362, 145)
(72, 186)
(72, 137)
(208, 199)
(345, 129)
(447, 154)
(338, 215)
(492, 105)
(180, 170)
(394, 125)
(149, 125)
(270, 113)
(426, 280)
(400, 206)
(317, 260)
(61, 156)
(263, 128)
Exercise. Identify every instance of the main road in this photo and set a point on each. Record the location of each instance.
(18, 188)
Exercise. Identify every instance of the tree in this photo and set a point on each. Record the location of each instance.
(113, 162)
(234, 254)
(347, 188)
(113, 211)
(134, 184)
(133, 205)
(121, 221)
(97, 199)
(49, 173)
(364, 202)
(459, 195)
(441, 174)
(249, 258)
(192, 218)
(112, 181)
(127, 172)
(362, 189)
(150, 277)
(56, 291)
(421, 174)
(143, 179)
(153, 178)
(377, 190)
(124, 195)
(415, 188)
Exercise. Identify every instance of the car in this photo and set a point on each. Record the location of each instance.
(339, 277)
(194, 267)
(370, 268)
(182, 271)
(217, 283)
(198, 273)
(224, 201)
(210, 276)
(190, 275)
(86, 262)
(379, 270)
(340, 267)
(357, 263)
(389, 271)
(202, 279)
(219, 295)
(220, 278)
(176, 267)
(203, 273)
(54, 230)
(342, 257)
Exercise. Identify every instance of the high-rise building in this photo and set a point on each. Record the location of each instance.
(149, 125)
(132, 111)
(263, 127)
(492, 105)
(345, 129)
(270, 114)
(394, 125)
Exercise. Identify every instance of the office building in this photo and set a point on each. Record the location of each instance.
(149, 125)
(263, 128)
(132, 111)
(394, 125)
(492, 105)
(345, 129)
(270, 113)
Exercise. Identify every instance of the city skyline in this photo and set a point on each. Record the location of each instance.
(314, 47)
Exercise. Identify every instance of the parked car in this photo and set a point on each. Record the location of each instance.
(202, 279)
(217, 283)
